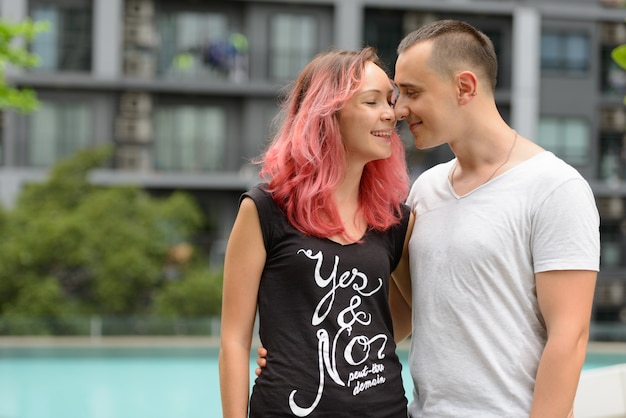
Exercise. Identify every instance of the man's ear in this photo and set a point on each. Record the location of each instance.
(467, 85)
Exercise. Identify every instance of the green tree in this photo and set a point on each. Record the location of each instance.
(198, 296)
(13, 53)
(70, 247)
(619, 55)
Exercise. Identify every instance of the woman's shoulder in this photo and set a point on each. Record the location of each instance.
(258, 191)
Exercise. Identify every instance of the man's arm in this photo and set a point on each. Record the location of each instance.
(400, 297)
(400, 313)
(565, 300)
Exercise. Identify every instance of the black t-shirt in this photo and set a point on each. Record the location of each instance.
(324, 318)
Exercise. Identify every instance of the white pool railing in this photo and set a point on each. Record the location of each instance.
(602, 393)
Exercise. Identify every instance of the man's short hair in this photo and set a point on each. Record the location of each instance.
(456, 45)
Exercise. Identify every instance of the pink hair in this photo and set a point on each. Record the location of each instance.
(307, 160)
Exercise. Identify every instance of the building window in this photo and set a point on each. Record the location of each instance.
(612, 158)
(383, 30)
(566, 137)
(565, 52)
(611, 244)
(612, 167)
(66, 45)
(190, 138)
(612, 75)
(56, 131)
(293, 43)
(201, 45)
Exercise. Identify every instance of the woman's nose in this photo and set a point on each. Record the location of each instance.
(389, 114)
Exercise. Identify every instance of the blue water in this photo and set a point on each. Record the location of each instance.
(128, 382)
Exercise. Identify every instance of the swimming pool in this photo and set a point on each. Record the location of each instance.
(129, 382)
(109, 382)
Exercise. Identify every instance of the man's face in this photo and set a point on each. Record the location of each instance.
(426, 99)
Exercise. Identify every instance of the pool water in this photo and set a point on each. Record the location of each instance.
(602, 359)
(129, 382)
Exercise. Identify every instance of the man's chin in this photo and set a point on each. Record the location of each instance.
(422, 147)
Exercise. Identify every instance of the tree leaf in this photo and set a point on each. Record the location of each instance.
(619, 55)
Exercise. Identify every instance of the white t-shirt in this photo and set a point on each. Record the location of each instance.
(478, 333)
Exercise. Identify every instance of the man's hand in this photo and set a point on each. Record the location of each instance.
(261, 361)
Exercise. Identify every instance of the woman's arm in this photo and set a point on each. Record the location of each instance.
(243, 265)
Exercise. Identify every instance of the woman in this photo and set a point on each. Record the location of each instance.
(314, 246)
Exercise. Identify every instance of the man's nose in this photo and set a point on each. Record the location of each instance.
(400, 109)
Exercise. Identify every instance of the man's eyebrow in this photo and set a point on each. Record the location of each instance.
(407, 85)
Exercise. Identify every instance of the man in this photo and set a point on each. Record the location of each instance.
(505, 250)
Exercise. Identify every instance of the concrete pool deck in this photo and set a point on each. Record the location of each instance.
(201, 341)
(112, 341)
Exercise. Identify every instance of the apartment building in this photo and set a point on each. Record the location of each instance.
(187, 91)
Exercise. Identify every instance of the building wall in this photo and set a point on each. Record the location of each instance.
(178, 120)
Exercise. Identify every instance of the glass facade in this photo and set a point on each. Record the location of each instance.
(383, 28)
(201, 45)
(67, 45)
(567, 137)
(56, 131)
(611, 249)
(190, 138)
(612, 75)
(292, 43)
(612, 167)
(565, 52)
(231, 59)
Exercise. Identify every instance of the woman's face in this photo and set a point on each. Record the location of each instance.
(367, 120)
